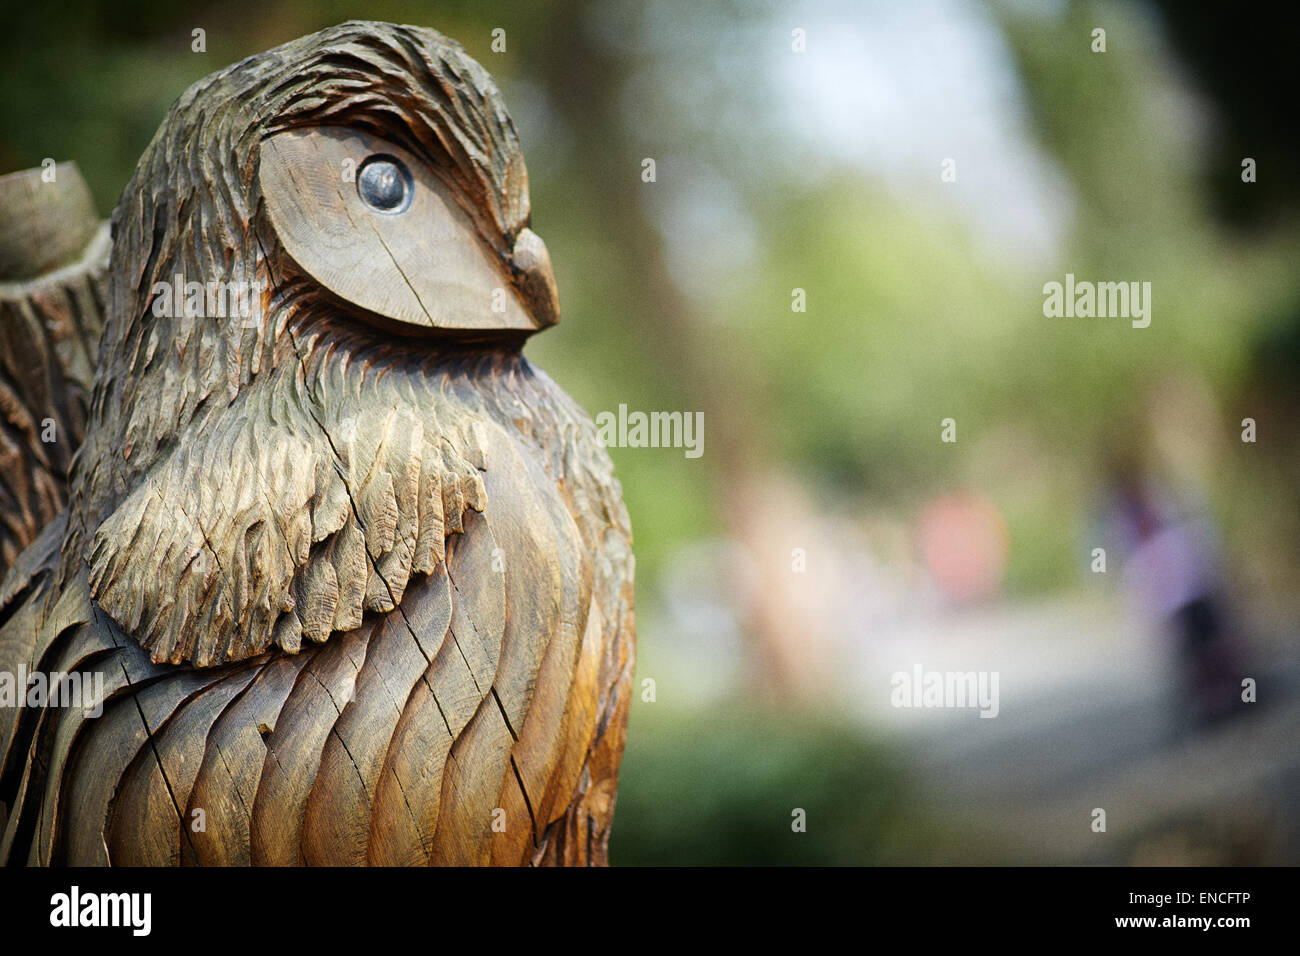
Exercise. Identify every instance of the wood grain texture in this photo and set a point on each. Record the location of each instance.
(47, 220)
(354, 597)
(53, 261)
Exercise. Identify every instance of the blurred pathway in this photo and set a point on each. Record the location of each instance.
(1087, 719)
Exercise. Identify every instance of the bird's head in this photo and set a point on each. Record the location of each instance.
(379, 158)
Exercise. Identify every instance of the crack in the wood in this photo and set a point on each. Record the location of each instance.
(504, 716)
(532, 819)
(153, 747)
(337, 459)
(468, 667)
(204, 534)
(515, 766)
(473, 626)
(397, 606)
(221, 754)
(415, 823)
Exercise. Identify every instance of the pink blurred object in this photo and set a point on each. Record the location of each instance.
(964, 543)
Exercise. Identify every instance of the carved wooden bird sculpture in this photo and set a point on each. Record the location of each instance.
(343, 579)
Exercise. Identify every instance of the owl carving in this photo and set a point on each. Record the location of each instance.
(342, 579)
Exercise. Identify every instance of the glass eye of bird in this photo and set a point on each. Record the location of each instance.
(384, 184)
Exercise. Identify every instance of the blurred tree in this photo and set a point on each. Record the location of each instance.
(1242, 60)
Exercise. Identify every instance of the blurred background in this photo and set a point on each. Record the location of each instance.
(828, 539)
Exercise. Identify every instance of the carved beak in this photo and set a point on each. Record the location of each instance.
(535, 279)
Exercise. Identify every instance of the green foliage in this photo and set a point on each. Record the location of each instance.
(720, 787)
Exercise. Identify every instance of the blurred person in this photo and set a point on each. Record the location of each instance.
(1170, 564)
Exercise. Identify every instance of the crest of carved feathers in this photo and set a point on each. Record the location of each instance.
(353, 598)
